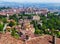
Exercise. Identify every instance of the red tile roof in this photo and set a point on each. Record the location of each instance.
(8, 39)
(46, 39)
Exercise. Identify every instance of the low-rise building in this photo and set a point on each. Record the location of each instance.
(36, 17)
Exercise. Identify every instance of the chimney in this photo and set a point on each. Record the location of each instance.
(54, 39)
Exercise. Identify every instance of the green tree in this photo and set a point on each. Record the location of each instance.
(39, 32)
(1, 26)
(14, 33)
(12, 23)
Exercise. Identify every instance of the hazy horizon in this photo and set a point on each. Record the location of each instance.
(31, 1)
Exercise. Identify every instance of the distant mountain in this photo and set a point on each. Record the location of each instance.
(38, 5)
(9, 4)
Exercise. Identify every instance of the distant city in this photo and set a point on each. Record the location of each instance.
(35, 5)
(29, 23)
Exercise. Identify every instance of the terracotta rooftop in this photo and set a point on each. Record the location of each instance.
(46, 39)
(8, 39)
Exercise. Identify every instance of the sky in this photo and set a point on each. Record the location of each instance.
(32, 1)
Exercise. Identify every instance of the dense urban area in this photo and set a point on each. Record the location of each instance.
(29, 26)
